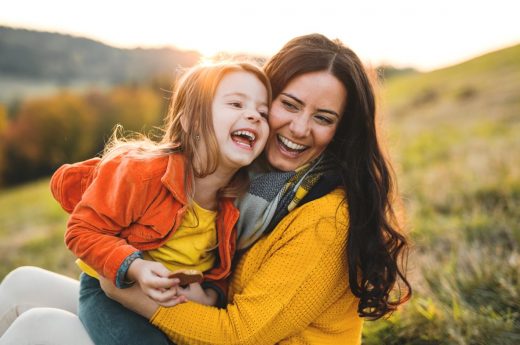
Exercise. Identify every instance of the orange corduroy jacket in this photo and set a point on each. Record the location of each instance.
(124, 205)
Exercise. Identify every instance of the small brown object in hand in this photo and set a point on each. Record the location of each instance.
(187, 277)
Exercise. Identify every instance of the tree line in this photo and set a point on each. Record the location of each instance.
(38, 135)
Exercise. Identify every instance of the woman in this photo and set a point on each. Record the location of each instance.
(312, 276)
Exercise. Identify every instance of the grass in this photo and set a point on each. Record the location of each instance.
(32, 226)
(454, 140)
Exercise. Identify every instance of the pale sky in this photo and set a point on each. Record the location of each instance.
(421, 34)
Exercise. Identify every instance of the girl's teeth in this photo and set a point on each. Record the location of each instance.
(247, 134)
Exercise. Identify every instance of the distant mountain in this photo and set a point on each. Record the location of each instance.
(35, 57)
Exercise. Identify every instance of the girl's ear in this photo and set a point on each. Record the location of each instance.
(184, 123)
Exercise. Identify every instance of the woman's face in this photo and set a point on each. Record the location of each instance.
(303, 119)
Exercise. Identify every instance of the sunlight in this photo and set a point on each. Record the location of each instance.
(401, 32)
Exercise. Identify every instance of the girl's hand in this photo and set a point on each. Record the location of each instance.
(153, 279)
(194, 292)
(133, 298)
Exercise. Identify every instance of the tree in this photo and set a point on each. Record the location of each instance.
(46, 133)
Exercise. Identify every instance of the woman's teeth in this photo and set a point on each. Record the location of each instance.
(291, 145)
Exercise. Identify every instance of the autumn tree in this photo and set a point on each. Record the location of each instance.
(46, 133)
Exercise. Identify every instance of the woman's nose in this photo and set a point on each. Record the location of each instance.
(299, 126)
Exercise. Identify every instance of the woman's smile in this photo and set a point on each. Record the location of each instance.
(303, 119)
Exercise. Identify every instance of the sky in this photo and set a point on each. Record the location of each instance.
(404, 33)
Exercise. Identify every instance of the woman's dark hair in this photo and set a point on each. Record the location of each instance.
(376, 249)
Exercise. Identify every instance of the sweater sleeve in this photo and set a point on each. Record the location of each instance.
(301, 275)
(110, 204)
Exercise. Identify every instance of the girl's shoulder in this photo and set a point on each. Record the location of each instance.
(135, 165)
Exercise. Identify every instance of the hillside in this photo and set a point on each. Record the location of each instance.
(455, 143)
(467, 90)
(34, 61)
(453, 136)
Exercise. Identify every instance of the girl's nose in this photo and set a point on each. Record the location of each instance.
(253, 115)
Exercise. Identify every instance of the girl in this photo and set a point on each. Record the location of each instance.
(150, 209)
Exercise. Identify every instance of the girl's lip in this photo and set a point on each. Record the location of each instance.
(253, 131)
(252, 142)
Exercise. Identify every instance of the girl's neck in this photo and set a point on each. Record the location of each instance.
(206, 188)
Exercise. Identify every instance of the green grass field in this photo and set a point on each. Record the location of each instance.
(454, 138)
(32, 225)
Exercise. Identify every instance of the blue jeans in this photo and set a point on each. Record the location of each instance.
(109, 323)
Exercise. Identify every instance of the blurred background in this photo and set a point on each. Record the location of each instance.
(448, 82)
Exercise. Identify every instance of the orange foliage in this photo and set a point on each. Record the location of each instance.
(66, 127)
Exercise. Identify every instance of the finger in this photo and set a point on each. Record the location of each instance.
(161, 270)
(183, 290)
(162, 283)
(174, 301)
(163, 296)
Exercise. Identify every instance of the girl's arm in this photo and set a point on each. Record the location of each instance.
(116, 198)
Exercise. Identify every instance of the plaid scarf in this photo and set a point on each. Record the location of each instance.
(272, 195)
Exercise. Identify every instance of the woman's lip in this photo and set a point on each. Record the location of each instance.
(290, 154)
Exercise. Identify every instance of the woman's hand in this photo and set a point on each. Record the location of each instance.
(154, 280)
(134, 298)
(194, 292)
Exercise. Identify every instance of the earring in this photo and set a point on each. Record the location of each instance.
(197, 137)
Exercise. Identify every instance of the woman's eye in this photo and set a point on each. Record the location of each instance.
(324, 119)
(288, 105)
(264, 114)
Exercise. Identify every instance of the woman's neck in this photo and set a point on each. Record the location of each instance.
(206, 188)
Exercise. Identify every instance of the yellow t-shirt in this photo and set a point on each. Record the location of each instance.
(192, 246)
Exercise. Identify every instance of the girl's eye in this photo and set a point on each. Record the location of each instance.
(289, 106)
(236, 104)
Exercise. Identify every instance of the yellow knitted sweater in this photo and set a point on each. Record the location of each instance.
(291, 287)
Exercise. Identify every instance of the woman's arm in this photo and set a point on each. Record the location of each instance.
(302, 272)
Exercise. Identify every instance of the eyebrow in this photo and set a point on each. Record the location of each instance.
(240, 94)
(297, 100)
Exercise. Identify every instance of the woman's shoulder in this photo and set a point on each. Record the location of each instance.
(328, 205)
(329, 211)
(323, 221)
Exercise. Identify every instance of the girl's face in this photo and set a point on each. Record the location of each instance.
(240, 119)
(303, 119)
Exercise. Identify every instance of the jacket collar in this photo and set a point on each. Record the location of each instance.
(174, 177)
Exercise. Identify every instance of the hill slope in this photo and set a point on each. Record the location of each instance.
(33, 60)
(454, 137)
(453, 134)
(490, 82)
